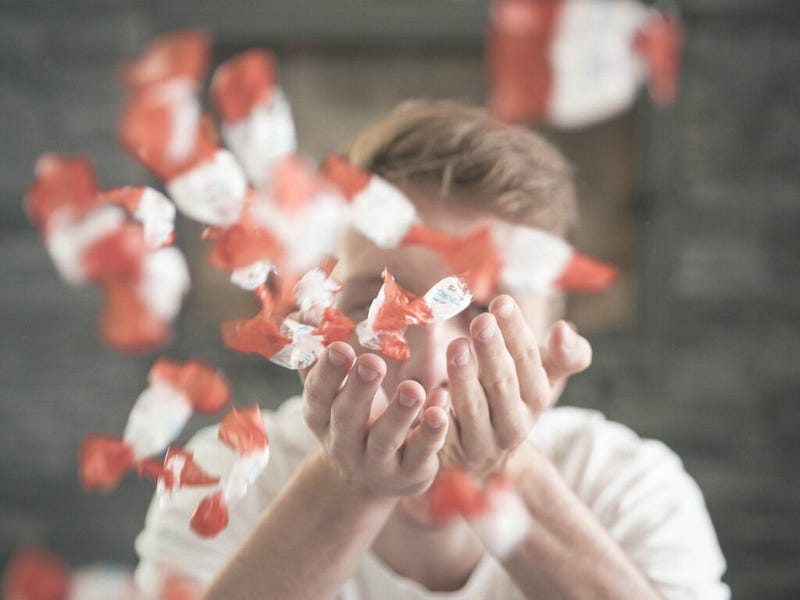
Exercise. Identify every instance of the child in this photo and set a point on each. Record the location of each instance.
(342, 509)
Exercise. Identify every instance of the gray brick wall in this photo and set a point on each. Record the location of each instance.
(708, 367)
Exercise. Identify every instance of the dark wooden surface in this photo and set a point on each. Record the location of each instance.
(709, 367)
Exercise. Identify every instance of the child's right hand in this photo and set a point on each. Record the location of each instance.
(390, 454)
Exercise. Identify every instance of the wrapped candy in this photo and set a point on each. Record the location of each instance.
(35, 574)
(474, 257)
(243, 432)
(394, 309)
(538, 261)
(575, 62)
(178, 55)
(293, 344)
(150, 208)
(495, 512)
(378, 210)
(92, 239)
(257, 121)
(158, 416)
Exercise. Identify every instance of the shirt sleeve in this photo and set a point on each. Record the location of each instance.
(640, 492)
(167, 544)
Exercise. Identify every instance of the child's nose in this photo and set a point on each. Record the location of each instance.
(428, 362)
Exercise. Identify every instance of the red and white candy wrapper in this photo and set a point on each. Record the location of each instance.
(149, 207)
(91, 237)
(378, 210)
(36, 574)
(303, 211)
(243, 431)
(177, 55)
(158, 416)
(257, 121)
(496, 512)
(574, 62)
(291, 343)
(64, 189)
(394, 309)
(537, 261)
(212, 191)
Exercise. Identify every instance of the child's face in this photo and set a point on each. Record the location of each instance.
(416, 269)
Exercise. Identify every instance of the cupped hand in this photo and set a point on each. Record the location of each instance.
(387, 446)
(500, 381)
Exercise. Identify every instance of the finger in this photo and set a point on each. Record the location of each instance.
(468, 400)
(389, 430)
(498, 376)
(437, 397)
(425, 441)
(323, 383)
(351, 407)
(566, 353)
(534, 387)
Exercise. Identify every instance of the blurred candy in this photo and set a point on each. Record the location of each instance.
(495, 511)
(157, 418)
(536, 261)
(34, 574)
(257, 121)
(394, 309)
(164, 130)
(179, 470)
(64, 188)
(175, 55)
(378, 210)
(149, 207)
(243, 431)
(573, 62)
(659, 41)
(473, 257)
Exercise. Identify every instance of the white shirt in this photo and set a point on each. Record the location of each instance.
(636, 488)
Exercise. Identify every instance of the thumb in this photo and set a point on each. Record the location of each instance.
(566, 353)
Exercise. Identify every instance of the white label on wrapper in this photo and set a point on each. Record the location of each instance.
(212, 192)
(596, 72)
(505, 525)
(532, 259)
(68, 238)
(165, 281)
(157, 418)
(447, 298)
(382, 213)
(253, 275)
(264, 136)
(157, 215)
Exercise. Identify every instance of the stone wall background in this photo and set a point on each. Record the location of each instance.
(706, 362)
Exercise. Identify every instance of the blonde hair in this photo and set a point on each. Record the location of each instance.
(464, 155)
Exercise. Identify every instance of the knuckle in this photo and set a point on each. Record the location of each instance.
(528, 353)
(499, 387)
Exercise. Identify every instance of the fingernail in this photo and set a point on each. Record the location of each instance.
(434, 421)
(337, 358)
(505, 308)
(406, 400)
(487, 332)
(366, 374)
(462, 360)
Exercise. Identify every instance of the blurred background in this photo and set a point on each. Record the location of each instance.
(699, 205)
